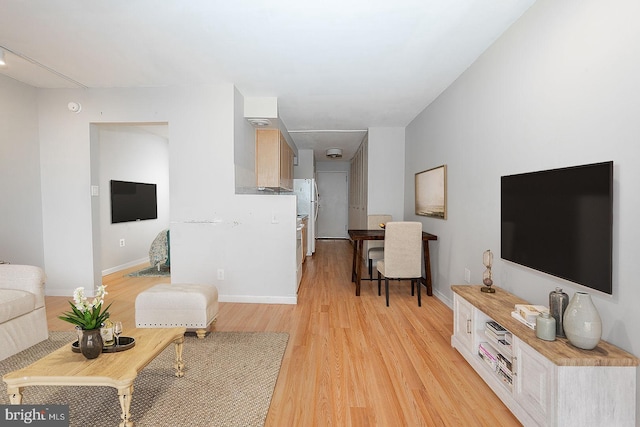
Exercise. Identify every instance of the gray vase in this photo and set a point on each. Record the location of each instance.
(558, 302)
(91, 343)
(582, 324)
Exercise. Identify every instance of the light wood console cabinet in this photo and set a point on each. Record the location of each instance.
(274, 160)
(543, 383)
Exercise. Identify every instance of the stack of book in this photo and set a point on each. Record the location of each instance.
(504, 370)
(527, 313)
(494, 331)
(488, 354)
(497, 350)
(505, 357)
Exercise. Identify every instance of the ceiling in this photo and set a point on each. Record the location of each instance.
(337, 67)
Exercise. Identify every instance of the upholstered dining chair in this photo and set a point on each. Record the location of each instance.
(402, 255)
(375, 249)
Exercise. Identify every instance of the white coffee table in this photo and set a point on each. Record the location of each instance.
(64, 367)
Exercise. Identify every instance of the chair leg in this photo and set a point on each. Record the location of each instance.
(386, 288)
(412, 288)
(379, 283)
(370, 269)
(419, 293)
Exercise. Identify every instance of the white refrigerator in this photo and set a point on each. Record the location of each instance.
(306, 192)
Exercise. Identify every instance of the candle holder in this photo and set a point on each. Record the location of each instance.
(487, 260)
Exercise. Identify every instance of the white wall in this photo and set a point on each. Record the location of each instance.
(333, 166)
(560, 88)
(20, 195)
(306, 167)
(130, 153)
(244, 154)
(386, 172)
(252, 238)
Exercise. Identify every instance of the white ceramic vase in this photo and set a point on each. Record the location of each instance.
(582, 324)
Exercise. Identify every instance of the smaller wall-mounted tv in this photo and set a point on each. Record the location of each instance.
(133, 201)
(560, 222)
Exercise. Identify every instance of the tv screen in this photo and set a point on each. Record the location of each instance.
(133, 201)
(560, 222)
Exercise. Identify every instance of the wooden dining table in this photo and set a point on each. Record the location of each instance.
(359, 236)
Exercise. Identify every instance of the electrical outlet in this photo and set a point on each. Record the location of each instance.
(467, 275)
(122, 243)
(220, 274)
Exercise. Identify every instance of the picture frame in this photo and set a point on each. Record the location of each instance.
(431, 192)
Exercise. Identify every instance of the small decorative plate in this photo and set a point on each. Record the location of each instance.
(125, 344)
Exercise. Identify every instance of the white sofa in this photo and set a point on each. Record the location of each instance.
(23, 320)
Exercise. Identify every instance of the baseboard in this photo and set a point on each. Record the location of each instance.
(442, 297)
(254, 299)
(125, 266)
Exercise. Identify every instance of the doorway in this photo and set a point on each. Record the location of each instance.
(333, 197)
(137, 152)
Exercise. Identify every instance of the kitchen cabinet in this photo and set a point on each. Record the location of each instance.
(299, 250)
(274, 160)
(543, 383)
(305, 230)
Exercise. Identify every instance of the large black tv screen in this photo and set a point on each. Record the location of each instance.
(133, 201)
(560, 222)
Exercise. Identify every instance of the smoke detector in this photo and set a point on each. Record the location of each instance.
(334, 153)
(260, 123)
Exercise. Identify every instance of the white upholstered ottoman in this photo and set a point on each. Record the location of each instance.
(173, 305)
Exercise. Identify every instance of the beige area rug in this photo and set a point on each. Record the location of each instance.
(229, 380)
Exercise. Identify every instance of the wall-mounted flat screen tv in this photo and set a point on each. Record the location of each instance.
(133, 201)
(560, 222)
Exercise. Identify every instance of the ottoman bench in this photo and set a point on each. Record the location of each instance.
(172, 305)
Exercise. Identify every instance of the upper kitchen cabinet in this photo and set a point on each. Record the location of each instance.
(274, 160)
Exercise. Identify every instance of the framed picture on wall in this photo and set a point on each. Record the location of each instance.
(431, 192)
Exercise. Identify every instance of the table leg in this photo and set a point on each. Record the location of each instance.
(15, 395)
(179, 365)
(124, 396)
(427, 266)
(359, 244)
(353, 262)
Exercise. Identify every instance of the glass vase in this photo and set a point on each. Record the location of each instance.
(582, 324)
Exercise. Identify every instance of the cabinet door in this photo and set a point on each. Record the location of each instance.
(286, 164)
(534, 388)
(463, 322)
(267, 158)
(274, 160)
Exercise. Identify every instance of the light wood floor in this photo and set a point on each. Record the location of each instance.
(350, 361)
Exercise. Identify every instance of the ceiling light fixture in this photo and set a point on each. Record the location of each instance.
(260, 123)
(2, 63)
(334, 153)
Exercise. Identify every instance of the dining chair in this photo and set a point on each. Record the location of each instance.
(402, 255)
(375, 249)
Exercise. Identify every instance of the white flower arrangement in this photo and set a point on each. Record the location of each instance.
(87, 315)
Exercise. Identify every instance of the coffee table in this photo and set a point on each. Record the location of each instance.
(64, 367)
